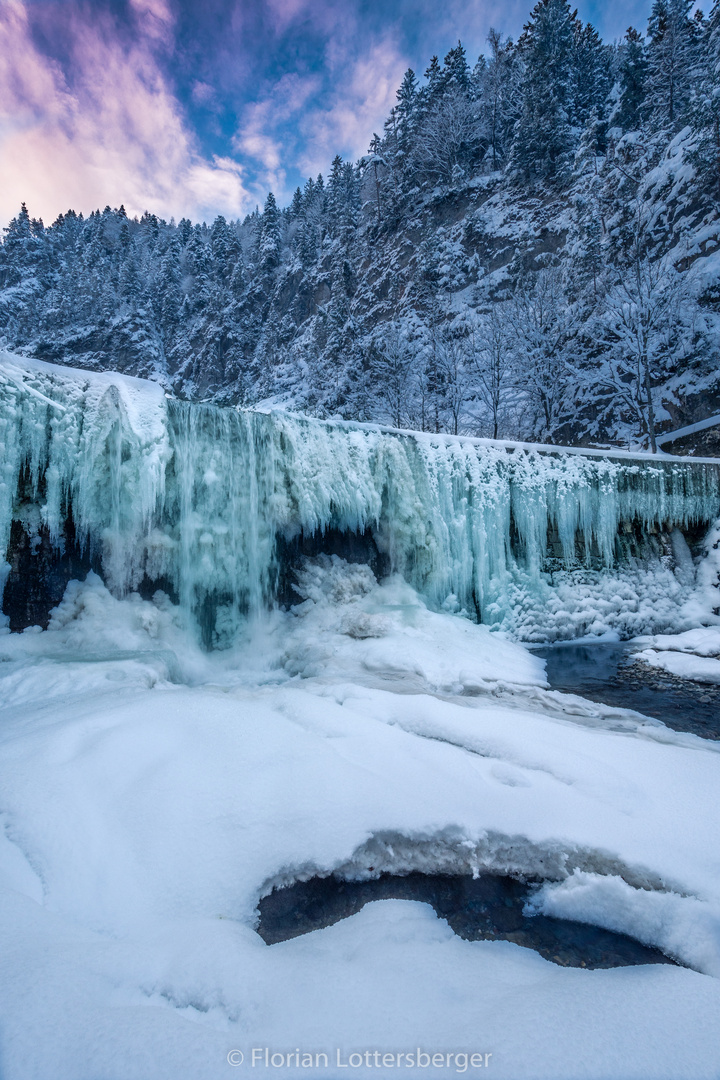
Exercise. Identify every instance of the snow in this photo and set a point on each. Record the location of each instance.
(682, 666)
(693, 653)
(153, 793)
(691, 429)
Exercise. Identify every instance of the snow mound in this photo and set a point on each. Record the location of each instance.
(350, 626)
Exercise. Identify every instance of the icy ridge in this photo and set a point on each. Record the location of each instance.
(196, 495)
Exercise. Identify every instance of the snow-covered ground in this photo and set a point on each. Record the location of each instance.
(151, 794)
(695, 653)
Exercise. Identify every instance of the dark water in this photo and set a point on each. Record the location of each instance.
(489, 907)
(608, 673)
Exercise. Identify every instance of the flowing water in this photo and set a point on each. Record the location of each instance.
(609, 673)
(486, 908)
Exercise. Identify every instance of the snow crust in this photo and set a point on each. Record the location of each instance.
(196, 496)
(153, 792)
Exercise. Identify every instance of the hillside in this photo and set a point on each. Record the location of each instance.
(530, 250)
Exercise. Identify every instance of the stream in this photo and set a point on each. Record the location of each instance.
(608, 673)
(489, 907)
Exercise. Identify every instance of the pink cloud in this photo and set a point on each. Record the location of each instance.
(284, 12)
(154, 17)
(203, 93)
(116, 136)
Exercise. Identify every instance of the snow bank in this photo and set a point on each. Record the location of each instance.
(685, 927)
(152, 793)
(349, 626)
(683, 665)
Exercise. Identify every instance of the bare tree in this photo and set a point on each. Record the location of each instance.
(544, 327)
(490, 359)
(449, 137)
(393, 369)
(640, 317)
(454, 379)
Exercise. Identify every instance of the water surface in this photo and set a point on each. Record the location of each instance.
(609, 673)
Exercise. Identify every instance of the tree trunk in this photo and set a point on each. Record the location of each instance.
(650, 409)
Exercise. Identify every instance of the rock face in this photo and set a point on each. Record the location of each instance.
(488, 907)
(701, 444)
(39, 573)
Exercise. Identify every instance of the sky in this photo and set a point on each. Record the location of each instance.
(199, 107)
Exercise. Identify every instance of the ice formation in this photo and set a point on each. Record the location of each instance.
(196, 496)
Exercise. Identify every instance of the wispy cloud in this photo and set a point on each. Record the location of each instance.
(300, 123)
(114, 134)
(357, 107)
(197, 107)
(269, 126)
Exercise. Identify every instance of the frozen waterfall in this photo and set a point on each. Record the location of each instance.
(195, 498)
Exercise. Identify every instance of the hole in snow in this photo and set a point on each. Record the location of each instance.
(489, 907)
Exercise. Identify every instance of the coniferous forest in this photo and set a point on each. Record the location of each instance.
(529, 249)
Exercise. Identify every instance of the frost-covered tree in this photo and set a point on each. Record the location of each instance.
(450, 138)
(518, 175)
(270, 240)
(491, 362)
(544, 327)
(705, 108)
(393, 371)
(641, 313)
(592, 77)
(671, 56)
(497, 94)
(542, 140)
(633, 81)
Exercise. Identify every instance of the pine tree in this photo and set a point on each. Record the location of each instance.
(200, 266)
(633, 81)
(270, 234)
(592, 76)
(670, 59)
(433, 75)
(406, 104)
(220, 247)
(308, 198)
(296, 204)
(497, 95)
(335, 195)
(705, 109)
(455, 73)
(542, 141)
(21, 248)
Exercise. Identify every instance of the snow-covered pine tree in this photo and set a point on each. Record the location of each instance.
(270, 240)
(671, 54)
(705, 108)
(543, 140)
(633, 73)
(497, 92)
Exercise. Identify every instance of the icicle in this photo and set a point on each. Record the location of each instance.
(196, 496)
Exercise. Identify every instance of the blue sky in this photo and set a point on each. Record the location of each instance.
(198, 108)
